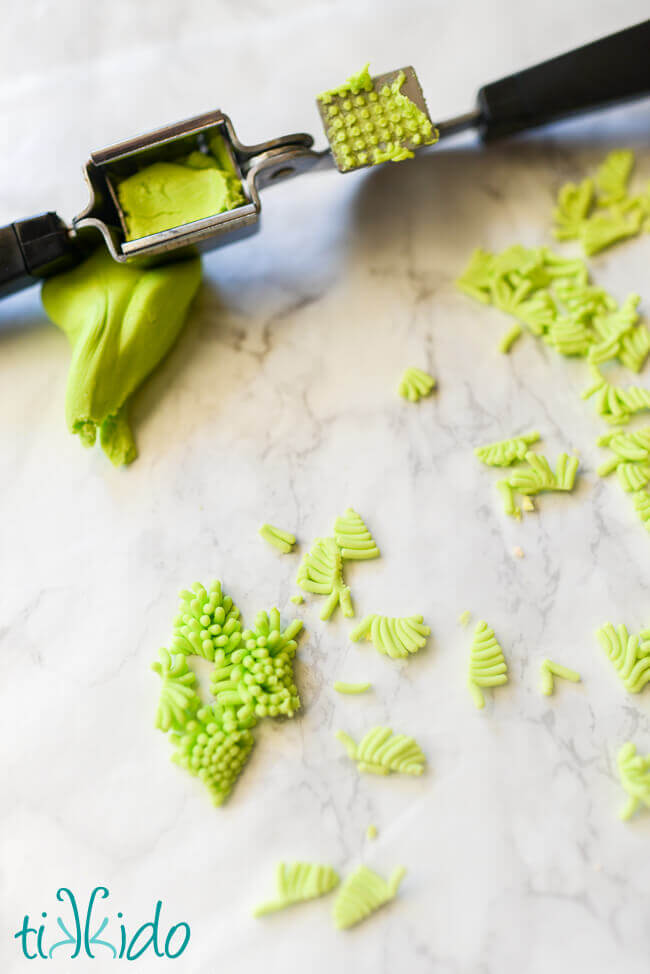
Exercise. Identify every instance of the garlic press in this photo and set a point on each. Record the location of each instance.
(610, 70)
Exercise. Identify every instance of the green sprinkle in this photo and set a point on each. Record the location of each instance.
(533, 478)
(363, 892)
(614, 403)
(280, 539)
(321, 572)
(351, 688)
(415, 384)
(634, 772)
(371, 832)
(382, 752)
(510, 337)
(504, 453)
(353, 537)
(628, 653)
(395, 637)
(297, 598)
(487, 664)
(297, 883)
(464, 617)
(549, 669)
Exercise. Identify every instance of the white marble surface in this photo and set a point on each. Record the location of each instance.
(278, 403)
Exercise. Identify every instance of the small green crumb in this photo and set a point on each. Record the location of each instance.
(464, 617)
(510, 337)
(527, 505)
(371, 832)
(297, 599)
(351, 688)
(549, 669)
(282, 540)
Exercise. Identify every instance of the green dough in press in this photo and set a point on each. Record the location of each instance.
(366, 125)
(168, 194)
(120, 321)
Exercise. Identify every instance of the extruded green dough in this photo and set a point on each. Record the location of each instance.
(169, 194)
(121, 321)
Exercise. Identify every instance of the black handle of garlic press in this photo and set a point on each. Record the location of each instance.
(33, 249)
(610, 70)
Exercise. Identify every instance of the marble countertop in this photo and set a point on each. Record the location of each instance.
(279, 404)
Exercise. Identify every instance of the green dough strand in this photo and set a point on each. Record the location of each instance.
(282, 540)
(353, 537)
(297, 883)
(628, 653)
(321, 572)
(363, 892)
(549, 670)
(396, 637)
(601, 212)
(504, 453)
(551, 296)
(415, 384)
(487, 664)
(382, 752)
(120, 321)
(351, 688)
(634, 772)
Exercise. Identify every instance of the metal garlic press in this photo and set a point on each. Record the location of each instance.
(610, 70)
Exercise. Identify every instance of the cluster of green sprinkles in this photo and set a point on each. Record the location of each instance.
(532, 473)
(321, 569)
(415, 384)
(252, 678)
(629, 654)
(282, 540)
(298, 882)
(367, 126)
(382, 752)
(550, 670)
(552, 298)
(614, 403)
(634, 772)
(397, 637)
(601, 212)
(487, 664)
(362, 893)
(631, 460)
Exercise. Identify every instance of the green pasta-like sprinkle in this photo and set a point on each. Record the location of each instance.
(464, 617)
(415, 384)
(363, 892)
(537, 476)
(321, 572)
(282, 540)
(614, 403)
(371, 832)
(549, 669)
(509, 339)
(353, 537)
(634, 772)
(487, 664)
(629, 655)
(642, 507)
(551, 296)
(382, 752)
(252, 678)
(504, 453)
(297, 599)
(600, 214)
(351, 688)
(297, 883)
(395, 637)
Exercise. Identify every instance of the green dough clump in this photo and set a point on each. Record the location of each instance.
(363, 892)
(487, 664)
(380, 752)
(169, 194)
(299, 882)
(634, 772)
(121, 321)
